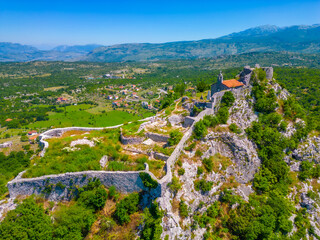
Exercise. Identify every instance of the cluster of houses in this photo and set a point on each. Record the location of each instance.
(62, 100)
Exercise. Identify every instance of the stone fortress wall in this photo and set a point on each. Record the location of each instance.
(60, 187)
(124, 181)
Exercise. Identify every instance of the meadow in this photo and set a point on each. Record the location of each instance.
(84, 115)
(84, 157)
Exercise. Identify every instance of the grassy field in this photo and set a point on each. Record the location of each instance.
(84, 157)
(85, 115)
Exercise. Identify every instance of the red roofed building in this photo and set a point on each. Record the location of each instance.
(225, 85)
(33, 132)
(232, 83)
(8, 120)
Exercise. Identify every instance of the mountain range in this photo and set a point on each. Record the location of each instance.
(268, 38)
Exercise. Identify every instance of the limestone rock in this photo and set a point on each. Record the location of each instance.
(104, 161)
(82, 142)
(309, 150)
(175, 119)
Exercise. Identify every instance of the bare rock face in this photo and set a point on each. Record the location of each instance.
(82, 142)
(309, 150)
(104, 161)
(239, 149)
(6, 144)
(175, 119)
(242, 113)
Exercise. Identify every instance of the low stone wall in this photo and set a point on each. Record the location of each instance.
(160, 156)
(157, 137)
(188, 121)
(63, 186)
(130, 140)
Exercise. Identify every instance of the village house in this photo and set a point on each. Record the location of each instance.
(116, 103)
(144, 104)
(109, 97)
(124, 92)
(61, 99)
(225, 84)
(116, 97)
(8, 120)
(33, 132)
(33, 138)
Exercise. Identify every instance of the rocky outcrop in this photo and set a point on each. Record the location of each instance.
(157, 137)
(6, 144)
(175, 119)
(242, 113)
(64, 186)
(239, 149)
(104, 161)
(309, 150)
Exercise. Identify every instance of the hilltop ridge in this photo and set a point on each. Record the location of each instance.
(267, 38)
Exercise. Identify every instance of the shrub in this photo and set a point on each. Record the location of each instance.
(223, 115)
(181, 171)
(152, 219)
(234, 128)
(93, 199)
(200, 170)
(214, 210)
(190, 147)
(211, 121)
(227, 99)
(148, 181)
(183, 209)
(73, 222)
(175, 185)
(198, 153)
(208, 164)
(200, 130)
(203, 185)
(27, 221)
(112, 192)
(175, 137)
(125, 208)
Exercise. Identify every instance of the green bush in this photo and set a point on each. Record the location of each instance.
(125, 208)
(227, 99)
(200, 129)
(73, 222)
(112, 192)
(191, 146)
(181, 171)
(175, 137)
(175, 185)
(93, 199)
(152, 219)
(203, 185)
(208, 164)
(223, 115)
(200, 170)
(27, 221)
(148, 181)
(183, 209)
(234, 128)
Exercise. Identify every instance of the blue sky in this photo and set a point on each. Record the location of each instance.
(48, 23)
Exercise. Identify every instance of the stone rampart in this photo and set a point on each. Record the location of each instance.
(157, 137)
(64, 186)
(130, 140)
(160, 156)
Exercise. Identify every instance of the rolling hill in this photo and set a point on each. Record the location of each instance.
(298, 39)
